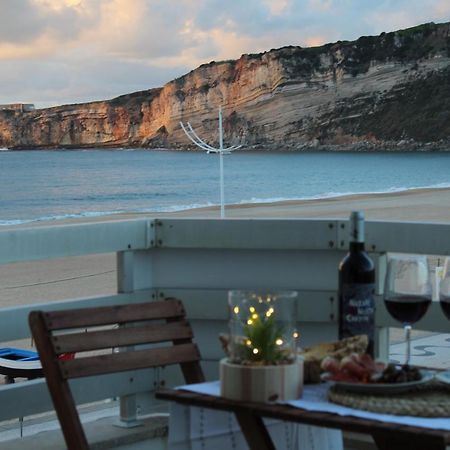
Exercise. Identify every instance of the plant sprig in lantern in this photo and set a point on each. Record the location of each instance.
(263, 342)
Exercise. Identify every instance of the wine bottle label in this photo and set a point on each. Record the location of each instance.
(357, 310)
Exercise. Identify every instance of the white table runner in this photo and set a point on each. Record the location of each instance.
(197, 428)
(315, 399)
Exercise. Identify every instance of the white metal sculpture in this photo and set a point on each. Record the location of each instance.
(194, 137)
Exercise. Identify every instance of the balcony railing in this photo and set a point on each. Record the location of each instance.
(197, 261)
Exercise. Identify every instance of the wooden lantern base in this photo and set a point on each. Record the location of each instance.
(261, 383)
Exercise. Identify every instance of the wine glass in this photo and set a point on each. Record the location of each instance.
(444, 288)
(407, 291)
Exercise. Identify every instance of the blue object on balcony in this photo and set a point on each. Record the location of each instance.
(19, 363)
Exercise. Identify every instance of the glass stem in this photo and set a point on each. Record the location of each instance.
(408, 343)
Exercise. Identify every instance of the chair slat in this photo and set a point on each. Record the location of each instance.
(124, 361)
(118, 337)
(137, 328)
(105, 315)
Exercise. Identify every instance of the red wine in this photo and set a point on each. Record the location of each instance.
(407, 309)
(357, 287)
(445, 305)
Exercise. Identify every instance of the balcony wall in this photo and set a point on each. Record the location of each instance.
(198, 261)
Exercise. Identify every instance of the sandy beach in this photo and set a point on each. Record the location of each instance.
(419, 205)
(76, 277)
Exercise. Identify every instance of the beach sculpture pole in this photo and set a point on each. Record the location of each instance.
(194, 137)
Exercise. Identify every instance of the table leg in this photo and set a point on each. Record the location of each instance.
(255, 432)
(392, 442)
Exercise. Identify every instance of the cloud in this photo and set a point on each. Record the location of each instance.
(23, 21)
(442, 8)
(54, 81)
(321, 5)
(56, 51)
(277, 7)
(138, 29)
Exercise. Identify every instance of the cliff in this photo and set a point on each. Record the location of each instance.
(391, 90)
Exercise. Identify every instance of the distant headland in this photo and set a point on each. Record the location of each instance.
(386, 92)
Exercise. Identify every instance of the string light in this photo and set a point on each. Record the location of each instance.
(279, 341)
(295, 335)
(249, 321)
(252, 309)
(236, 309)
(248, 342)
(255, 351)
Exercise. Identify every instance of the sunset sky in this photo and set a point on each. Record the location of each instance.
(70, 51)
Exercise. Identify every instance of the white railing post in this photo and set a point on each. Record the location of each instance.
(125, 284)
(382, 333)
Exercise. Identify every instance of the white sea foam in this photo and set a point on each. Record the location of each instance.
(327, 195)
(57, 217)
(90, 214)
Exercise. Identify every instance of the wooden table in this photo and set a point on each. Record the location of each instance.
(387, 436)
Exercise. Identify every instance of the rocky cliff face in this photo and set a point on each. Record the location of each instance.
(385, 91)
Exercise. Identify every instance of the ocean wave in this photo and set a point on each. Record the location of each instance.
(328, 195)
(93, 214)
(57, 217)
(185, 207)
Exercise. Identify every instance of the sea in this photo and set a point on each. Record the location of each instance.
(50, 185)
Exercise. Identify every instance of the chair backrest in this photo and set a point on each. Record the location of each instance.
(115, 344)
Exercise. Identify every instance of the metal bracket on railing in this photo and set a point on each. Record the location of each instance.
(342, 234)
(159, 382)
(158, 229)
(150, 233)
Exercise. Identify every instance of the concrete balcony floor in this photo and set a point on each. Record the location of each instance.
(100, 424)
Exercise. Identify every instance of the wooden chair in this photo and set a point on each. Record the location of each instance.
(58, 332)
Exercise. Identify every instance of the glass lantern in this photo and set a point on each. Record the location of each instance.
(262, 327)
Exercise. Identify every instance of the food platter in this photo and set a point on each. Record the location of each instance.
(386, 388)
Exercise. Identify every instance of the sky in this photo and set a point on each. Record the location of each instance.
(55, 52)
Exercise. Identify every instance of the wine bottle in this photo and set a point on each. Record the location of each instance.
(357, 287)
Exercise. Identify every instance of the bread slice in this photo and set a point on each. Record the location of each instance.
(315, 354)
(338, 349)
